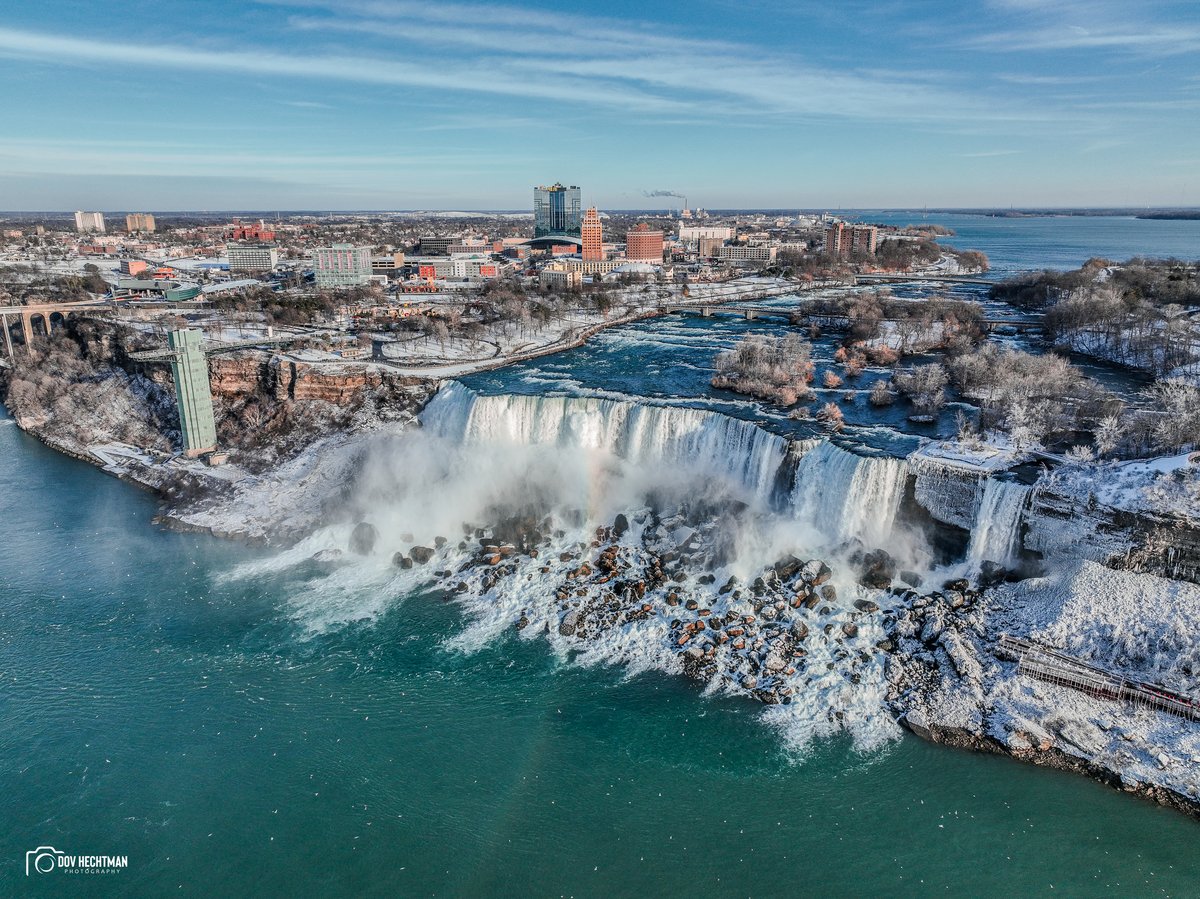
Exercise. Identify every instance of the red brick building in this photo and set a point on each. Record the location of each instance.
(644, 245)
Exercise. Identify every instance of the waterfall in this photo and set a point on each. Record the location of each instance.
(846, 495)
(996, 533)
(843, 495)
(727, 447)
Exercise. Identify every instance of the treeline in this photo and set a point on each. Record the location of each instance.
(904, 255)
(1137, 313)
(906, 326)
(1043, 400)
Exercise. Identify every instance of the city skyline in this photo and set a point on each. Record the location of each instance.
(311, 104)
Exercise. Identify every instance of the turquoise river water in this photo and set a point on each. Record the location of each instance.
(153, 708)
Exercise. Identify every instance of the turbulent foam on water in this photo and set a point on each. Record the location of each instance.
(581, 461)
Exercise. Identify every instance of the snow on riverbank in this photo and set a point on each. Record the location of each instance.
(949, 683)
(290, 500)
(1166, 486)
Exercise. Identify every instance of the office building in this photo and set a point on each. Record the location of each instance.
(258, 232)
(252, 257)
(844, 240)
(556, 211)
(709, 246)
(592, 266)
(387, 265)
(89, 222)
(140, 221)
(436, 246)
(689, 233)
(644, 245)
(473, 266)
(473, 245)
(342, 265)
(742, 253)
(593, 236)
(560, 279)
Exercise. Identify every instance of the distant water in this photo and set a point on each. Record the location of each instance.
(153, 707)
(1059, 242)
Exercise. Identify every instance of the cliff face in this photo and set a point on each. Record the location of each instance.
(237, 375)
(82, 389)
(1059, 524)
(340, 385)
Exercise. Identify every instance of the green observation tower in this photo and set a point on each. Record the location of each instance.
(189, 368)
(188, 355)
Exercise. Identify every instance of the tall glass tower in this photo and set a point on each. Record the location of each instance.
(556, 211)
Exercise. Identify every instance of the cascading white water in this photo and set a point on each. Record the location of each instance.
(843, 495)
(996, 531)
(736, 450)
(846, 495)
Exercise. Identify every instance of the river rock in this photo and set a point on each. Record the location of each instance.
(817, 572)
(620, 525)
(788, 567)
(362, 539)
(421, 554)
(570, 621)
(991, 573)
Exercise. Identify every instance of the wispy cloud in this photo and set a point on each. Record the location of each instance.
(576, 61)
(737, 78)
(1151, 27)
(1050, 80)
(386, 71)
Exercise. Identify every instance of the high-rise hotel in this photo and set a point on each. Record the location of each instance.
(557, 211)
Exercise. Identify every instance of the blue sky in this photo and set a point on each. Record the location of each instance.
(378, 104)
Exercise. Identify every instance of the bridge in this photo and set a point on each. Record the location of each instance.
(792, 313)
(41, 319)
(939, 279)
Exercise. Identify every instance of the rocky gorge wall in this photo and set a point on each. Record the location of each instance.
(1013, 524)
(1058, 524)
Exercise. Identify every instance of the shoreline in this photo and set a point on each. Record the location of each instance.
(950, 735)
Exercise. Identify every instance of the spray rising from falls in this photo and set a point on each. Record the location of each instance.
(842, 495)
(644, 535)
(997, 530)
(737, 451)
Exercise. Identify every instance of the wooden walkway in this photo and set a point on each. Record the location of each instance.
(1047, 664)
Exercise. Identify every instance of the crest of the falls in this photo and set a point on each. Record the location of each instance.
(640, 433)
(841, 494)
(996, 532)
(846, 495)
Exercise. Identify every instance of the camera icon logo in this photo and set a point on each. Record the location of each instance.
(43, 860)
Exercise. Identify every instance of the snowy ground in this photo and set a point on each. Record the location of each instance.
(948, 678)
(1166, 486)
